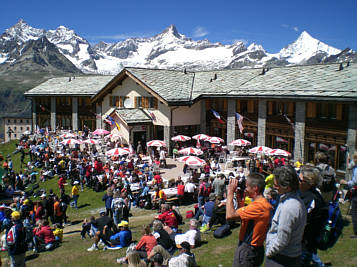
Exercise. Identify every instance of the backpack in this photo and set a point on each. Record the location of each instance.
(12, 236)
(328, 178)
(332, 229)
(206, 189)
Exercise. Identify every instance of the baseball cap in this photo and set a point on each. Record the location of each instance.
(15, 215)
(123, 224)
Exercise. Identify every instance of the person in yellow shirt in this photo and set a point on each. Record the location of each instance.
(75, 194)
(269, 182)
(298, 163)
(58, 232)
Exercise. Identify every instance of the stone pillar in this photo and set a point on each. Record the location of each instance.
(53, 113)
(352, 128)
(98, 120)
(167, 137)
(75, 113)
(262, 119)
(203, 127)
(231, 120)
(300, 114)
(34, 117)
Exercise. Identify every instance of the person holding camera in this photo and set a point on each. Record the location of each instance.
(255, 221)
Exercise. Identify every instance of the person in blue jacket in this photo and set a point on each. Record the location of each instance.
(121, 239)
(15, 240)
(108, 198)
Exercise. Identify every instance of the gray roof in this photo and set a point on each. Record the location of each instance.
(133, 115)
(309, 81)
(171, 85)
(314, 81)
(82, 85)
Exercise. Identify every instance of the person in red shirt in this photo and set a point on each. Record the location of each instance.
(168, 217)
(44, 236)
(180, 192)
(158, 179)
(146, 243)
(61, 183)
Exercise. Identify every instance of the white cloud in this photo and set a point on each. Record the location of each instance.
(286, 26)
(200, 32)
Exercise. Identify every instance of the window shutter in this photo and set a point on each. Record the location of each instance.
(311, 110)
(135, 102)
(250, 106)
(117, 101)
(208, 104)
(238, 106)
(291, 109)
(156, 103)
(270, 108)
(121, 101)
(225, 104)
(339, 109)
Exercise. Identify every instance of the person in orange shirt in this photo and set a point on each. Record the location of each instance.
(255, 220)
(57, 211)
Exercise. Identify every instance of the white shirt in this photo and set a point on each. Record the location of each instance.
(190, 187)
(193, 237)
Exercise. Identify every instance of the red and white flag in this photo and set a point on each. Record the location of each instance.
(239, 121)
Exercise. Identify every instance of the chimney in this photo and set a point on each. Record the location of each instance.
(184, 71)
(341, 67)
(69, 79)
(263, 71)
(215, 76)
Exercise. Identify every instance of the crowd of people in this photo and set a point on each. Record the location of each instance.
(275, 200)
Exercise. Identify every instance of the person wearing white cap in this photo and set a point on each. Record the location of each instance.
(75, 193)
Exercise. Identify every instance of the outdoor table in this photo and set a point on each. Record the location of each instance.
(169, 192)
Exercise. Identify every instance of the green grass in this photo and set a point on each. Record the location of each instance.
(73, 251)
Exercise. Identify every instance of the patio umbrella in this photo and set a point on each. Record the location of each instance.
(157, 143)
(190, 150)
(192, 161)
(181, 138)
(71, 142)
(27, 132)
(202, 137)
(279, 152)
(240, 142)
(91, 141)
(100, 132)
(215, 140)
(120, 151)
(68, 135)
(260, 149)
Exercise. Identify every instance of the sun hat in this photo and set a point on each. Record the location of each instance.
(75, 182)
(102, 211)
(123, 224)
(43, 195)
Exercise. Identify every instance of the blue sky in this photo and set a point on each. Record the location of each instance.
(272, 24)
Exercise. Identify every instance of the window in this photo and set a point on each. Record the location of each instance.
(27, 121)
(15, 128)
(118, 101)
(15, 135)
(8, 121)
(328, 111)
(28, 128)
(138, 102)
(14, 121)
(20, 121)
(21, 128)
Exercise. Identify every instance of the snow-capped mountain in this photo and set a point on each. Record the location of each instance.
(304, 48)
(169, 49)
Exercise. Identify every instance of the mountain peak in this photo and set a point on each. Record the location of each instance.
(305, 47)
(23, 32)
(171, 30)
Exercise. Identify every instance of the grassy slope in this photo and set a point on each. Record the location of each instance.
(212, 253)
